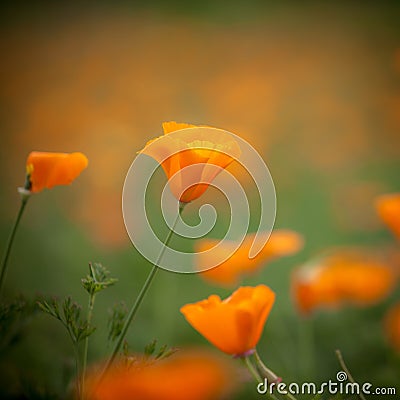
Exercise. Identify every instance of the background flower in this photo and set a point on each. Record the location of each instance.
(392, 326)
(388, 207)
(186, 375)
(342, 277)
(280, 243)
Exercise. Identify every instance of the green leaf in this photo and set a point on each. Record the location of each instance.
(77, 328)
(150, 348)
(116, 320)
(164, 351)
(98, 279)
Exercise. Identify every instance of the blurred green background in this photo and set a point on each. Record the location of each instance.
(313, 86)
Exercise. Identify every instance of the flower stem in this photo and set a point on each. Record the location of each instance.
(4, 261)
(266, 372)
(253, 371)
(269, 374)
(345, 369)
(141, 295)
(92, 297)
(78, 383)
(76, 356)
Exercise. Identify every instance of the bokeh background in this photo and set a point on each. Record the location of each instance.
(313, 86)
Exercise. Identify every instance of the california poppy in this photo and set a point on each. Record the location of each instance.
(392, 326)
(186, 375)
(342, 277)
(280, 243)
(388, 207)
(192, 156)
(43, 170)
(46, 170)
(233, 325)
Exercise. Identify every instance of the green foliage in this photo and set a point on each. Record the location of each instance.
(116, 320)
(79, 329)
(69, 314)
(125, 350)
(151, 354)
(151, 351)
(98, 279)
(150, 348)
(14, 317)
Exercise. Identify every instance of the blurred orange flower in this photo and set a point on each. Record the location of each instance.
(352, 277)
(186, 375)
(388, 207)
(233, 325)
(206, 152)
(392, 326)
(280, 243)
(46, 170)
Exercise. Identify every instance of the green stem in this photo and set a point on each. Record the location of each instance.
(253, 371)
(92, 297)
(345, 369)
(76, 355)
(4, 262)
(78, 383)
(266, 372)
(141, 295)
(269, 374)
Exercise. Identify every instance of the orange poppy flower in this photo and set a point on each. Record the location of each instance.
(392, 326)
(280, 243)
(388, 207)
(233, 325)
(46, 170)
(351, 277)
(186, 375)
(192, 156)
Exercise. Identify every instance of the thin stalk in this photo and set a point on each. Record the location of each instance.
(78, 383)
(266, 372)
(141, 295)
(253, 371)
(345, 369)
(269, 374)
(6, 255)
(92, 297)
(76, 356)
